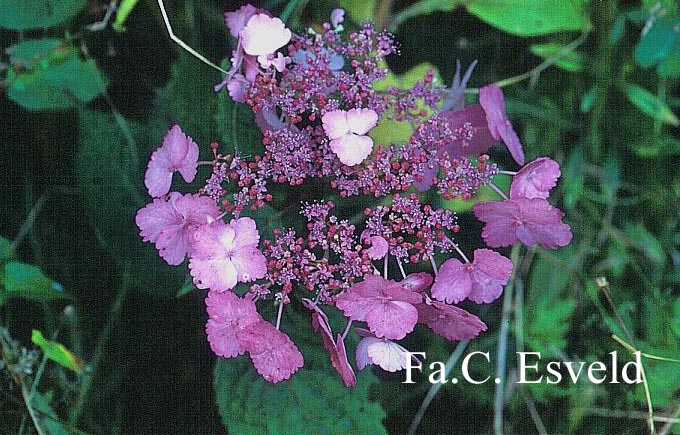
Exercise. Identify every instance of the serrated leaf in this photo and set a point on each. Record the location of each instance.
(312, 401)
(33, 14)
(47, 75)
(57, 352)
(110, 178)
(29, 282)
(650, 104)
(531, 17)
(572, 61)
(236, 124)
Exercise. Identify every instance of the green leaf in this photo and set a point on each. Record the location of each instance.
(110, 177)
(190, 100)
(312, 401)
(675, 324)
(6, 249)
(29, 282)
(48, 74)
(571, 61)
(531, 17)
(57, 352)
(645, 242)
(650, 104)
(652, 148)
(50, 422)
(657, 43)
(122, 14)
(236, 124)
(33, 14)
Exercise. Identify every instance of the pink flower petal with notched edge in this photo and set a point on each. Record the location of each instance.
(178, 153)
(352, 149)
(417, 282)
(536, 179)
(335, 123)
(492, 101)
(263, 35)
(170, 223)
(237, 20)
(481, 281)
(273, 354)
(490, 273)
(528, 221)
(450, 322)
(378, 249)
(224, 255)
(361, 121)
(386, 306)
(386, 354)
(236, 86)
(228, 315)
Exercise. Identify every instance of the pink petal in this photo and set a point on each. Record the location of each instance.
(491, 272)
(501, 218)
(274, 355)
(236, 86)
(452, 284)
(174, 244)
(449, 321)
(335, 123)
(360, 121)
(536, 179)
(342, 364)
(263, 35)
(158, 176)
(210, 265)
(245, 230)
(280, 62)
(471, 133)
(237, 20)
(337, 16)
(492, 101)
(228, 315)
(378, 249)
(352, 149)
(250, 264)
(387, 354)
(155, 216)
(392, 319)
(542, 223)
(417, 282)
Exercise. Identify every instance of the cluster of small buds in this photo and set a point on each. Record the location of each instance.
(316, 107)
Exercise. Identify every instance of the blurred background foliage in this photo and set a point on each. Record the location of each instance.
(99, 336)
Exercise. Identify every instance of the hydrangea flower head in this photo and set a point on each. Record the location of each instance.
(170, 223)
(179, 153)
(385, 305)
(492, 101)
(535, 179)
(263, 35)
(529, 221)
(347, 131)
(481, 281)
(226, 254)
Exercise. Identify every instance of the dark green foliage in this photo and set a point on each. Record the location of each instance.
(31, 14)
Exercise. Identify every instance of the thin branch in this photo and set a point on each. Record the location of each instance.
(183, 44)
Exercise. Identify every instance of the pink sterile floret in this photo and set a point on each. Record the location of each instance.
(379, 246)
(481, 281)
(229, 314)
(336, 348)
(492, 101)
(170, 223)
(347, 130)
(263, 35)
(223, 255)
(385, 305)
(450, 322)
(417, 282)
(528, 221)
(237, 19)
(384, 353)
(535, 179)
(337, 17)
(179, 153)
(274, 355)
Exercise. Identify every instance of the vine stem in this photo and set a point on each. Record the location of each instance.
(183, 44)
